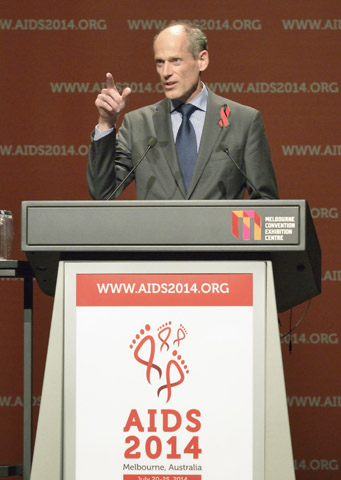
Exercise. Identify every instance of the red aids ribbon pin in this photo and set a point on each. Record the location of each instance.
(224, 114)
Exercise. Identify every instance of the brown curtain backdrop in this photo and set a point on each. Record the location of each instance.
(282, 58)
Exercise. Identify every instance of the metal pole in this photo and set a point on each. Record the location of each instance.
(28, 336)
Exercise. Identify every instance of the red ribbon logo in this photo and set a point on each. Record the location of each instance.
(224, 115)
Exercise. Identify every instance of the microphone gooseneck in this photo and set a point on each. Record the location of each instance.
(151, 143)
(226, 150)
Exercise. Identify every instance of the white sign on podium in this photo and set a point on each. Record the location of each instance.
(164, 370)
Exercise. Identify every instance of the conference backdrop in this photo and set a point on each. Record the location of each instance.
(281, 57)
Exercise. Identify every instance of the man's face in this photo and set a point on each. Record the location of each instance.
(179, 71)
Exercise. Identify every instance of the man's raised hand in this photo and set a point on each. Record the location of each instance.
(110, 103)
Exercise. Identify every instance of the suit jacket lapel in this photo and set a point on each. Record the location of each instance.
(210, 136)
(164, 134)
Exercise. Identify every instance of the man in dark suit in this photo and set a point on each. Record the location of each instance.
(231, 149)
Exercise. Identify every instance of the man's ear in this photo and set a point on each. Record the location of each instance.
(203, 60)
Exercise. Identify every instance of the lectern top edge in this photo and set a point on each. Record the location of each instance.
(281, 231)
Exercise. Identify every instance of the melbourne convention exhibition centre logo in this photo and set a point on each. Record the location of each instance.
(246, 224)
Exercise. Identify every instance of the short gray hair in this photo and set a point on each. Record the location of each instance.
(197, 40)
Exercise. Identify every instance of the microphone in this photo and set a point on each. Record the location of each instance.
(151, 143)
(226, 150)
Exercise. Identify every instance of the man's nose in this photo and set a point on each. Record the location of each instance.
(167, 69)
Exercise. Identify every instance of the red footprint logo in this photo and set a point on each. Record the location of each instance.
(181, 335)
(145, 351)
(164, 334)
(180, 367)
(149, 362)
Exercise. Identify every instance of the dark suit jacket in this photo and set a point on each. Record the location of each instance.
(159, 177)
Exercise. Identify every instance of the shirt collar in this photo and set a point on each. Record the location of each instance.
(200, 100)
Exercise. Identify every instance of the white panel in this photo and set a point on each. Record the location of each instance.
(222, 378)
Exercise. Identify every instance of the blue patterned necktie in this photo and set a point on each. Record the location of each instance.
(186, 143)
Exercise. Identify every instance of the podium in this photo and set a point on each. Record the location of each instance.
(164, 357)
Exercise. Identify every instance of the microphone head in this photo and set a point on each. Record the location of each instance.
(152, 142)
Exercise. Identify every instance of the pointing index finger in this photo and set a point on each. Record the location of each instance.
(110, 81)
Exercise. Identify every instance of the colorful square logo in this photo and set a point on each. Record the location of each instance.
(242, 229)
